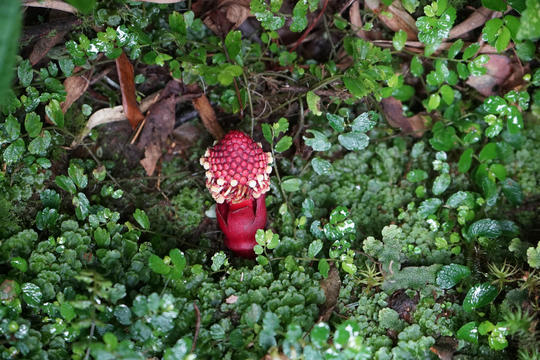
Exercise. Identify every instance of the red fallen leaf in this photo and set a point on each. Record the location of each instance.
(498, 70)
(208, 116)
(75, 87)
(127, 86)
(393, 110)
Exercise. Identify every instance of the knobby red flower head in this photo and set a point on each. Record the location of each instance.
(237, 176)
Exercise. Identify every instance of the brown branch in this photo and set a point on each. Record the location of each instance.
(310, 27)
(197, 326)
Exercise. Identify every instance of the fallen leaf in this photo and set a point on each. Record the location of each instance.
(498, 70)
(223, 15)
(231, 299)
(51, 4)
(331, 286)
(127, 86)
(208, 116)
(46, 43)
(356, 21)
(108, 115)
(158, 125)
(75, 87)
(152, 154)
(399, 18)
(445, 347)
(393, 111)
(475, 20)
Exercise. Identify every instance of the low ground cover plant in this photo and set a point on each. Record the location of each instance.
(397, 149)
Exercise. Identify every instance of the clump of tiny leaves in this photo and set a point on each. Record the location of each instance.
(380, 243)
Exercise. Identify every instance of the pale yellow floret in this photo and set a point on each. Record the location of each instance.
(220, 181)
(234, 182)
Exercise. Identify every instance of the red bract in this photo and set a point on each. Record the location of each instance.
(237, 176)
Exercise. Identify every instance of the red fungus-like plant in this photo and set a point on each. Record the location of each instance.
(237, 176)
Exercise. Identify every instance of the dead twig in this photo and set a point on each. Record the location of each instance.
(197, 326)
(310, 27)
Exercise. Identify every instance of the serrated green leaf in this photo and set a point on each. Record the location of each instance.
(399, 40)
(354, 140)
(321, 166)
(336, 122)
(32, 124)
(486, 227)
(478, 296)
(441, 183)
(450, 275)
(314, 248)
(465, 161)
(323, 268)
(157, 265)
(319, 141)
(313, 101)
(141, 218)
(283, 144)
(54, 113)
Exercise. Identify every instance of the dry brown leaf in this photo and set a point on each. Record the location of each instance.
(356, 20)
(75, 87)
(152, 154)
(331, 286)
(127, 86)
(445, 347)
(400, 19)
(108, 115)
(498, 70)
(393, 111)
(51, 4)
(43, 45)
(208, 116)
(222, 15)
(475, 20)
(158, 125)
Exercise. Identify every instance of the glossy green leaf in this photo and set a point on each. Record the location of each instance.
(354, 140)
(313, 101)
(486, 227)
(141, 218)
(157, 265)
(478, 296)
(31, 294)
(441, 183)
(417, 175)
(465, 161)
(319, 141)
(450, 275)
(468, 332)
(321, 166)
(399, 40)
(336, 122)
(283, 144)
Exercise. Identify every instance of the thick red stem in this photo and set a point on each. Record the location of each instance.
(239, 222)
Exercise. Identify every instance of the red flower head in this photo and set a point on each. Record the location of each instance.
(237, 176)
